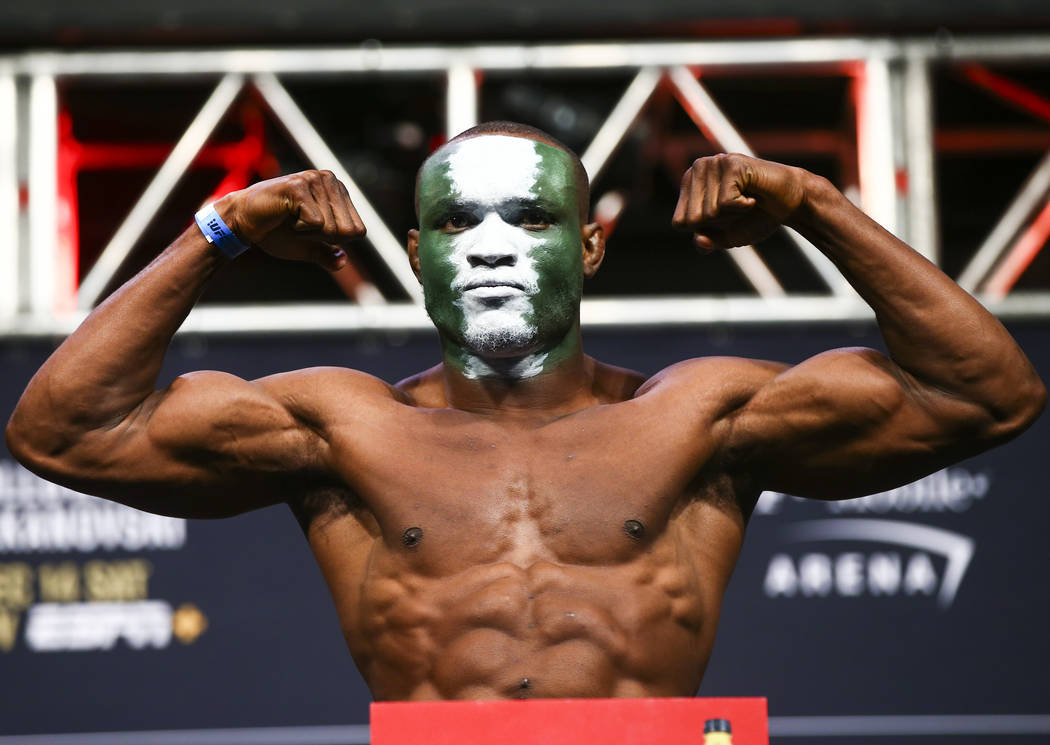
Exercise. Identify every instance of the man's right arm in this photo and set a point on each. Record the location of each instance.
(210, 444)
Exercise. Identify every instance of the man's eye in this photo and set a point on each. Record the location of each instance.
(534, 219)
(457, 221)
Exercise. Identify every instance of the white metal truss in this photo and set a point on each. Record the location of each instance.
(461, 101)
(320, 156)
(42, 255)
(895, 137)
(9, 259)
(159, 188)
(1034, 191)
(920, 212)
(619, 121)
(706, 114)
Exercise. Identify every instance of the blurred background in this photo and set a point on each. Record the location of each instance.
(918, 613)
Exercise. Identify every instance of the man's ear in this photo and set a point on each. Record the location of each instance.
(593, 248)
(413, 253)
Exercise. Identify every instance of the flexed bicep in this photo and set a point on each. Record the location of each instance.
(847, 423)
(208, 445)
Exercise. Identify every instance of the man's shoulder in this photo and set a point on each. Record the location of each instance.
(425, 389)
(718, 377)
(613, 383)
(323, 385)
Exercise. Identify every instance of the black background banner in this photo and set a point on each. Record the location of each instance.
(821, 620)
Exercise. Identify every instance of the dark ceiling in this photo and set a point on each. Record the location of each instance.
(52, 22)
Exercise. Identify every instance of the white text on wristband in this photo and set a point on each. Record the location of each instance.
(218, 232)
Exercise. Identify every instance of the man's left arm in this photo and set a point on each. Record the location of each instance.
(851, 421)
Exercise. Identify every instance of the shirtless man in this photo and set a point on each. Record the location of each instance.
(522, 520)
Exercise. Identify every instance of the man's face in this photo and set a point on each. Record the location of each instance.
(500, 244)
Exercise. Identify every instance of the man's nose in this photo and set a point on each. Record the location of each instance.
(493, 244)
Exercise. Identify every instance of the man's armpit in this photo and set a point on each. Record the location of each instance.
(319, 503)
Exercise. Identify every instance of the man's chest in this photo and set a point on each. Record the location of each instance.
(596, 488)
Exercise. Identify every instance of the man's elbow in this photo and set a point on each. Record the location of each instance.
(18, 444)
(33, 442)
(1034, 402)
(1026, 403)
(20, 440)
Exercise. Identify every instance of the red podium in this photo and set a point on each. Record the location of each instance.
(603, 721)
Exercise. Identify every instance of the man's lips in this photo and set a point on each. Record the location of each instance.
(483, 283)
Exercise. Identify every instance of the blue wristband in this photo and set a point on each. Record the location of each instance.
(218, 232)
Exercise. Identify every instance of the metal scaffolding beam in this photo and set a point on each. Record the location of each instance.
(717, 127)
(43, 193)
(372, 58)
(895, 138)
(619, 122)
(423, 59)
(1019, 257)
(596, 313)
(875, 131)
(921, 200)
(153, 198)
(1032, 193)
(321, 156)
(9, 238)
(461, 100)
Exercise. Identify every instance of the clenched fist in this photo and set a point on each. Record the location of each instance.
(305, 216)
(732, 200)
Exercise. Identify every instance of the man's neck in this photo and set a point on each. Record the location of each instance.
(551, 381)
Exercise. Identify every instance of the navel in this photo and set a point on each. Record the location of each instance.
(634, 529)
(524, 689)
(411, 537)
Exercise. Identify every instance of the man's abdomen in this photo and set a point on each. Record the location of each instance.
(543, 630)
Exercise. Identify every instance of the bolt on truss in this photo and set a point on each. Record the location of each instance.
(895, 150)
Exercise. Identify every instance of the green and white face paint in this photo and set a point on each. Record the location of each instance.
(500, 253)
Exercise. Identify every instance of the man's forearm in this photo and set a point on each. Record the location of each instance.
(933, 329)
(110, 364)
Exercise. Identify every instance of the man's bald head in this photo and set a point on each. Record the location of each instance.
(515, 129)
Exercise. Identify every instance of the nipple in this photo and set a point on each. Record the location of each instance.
(411, 537)
(634, 529)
